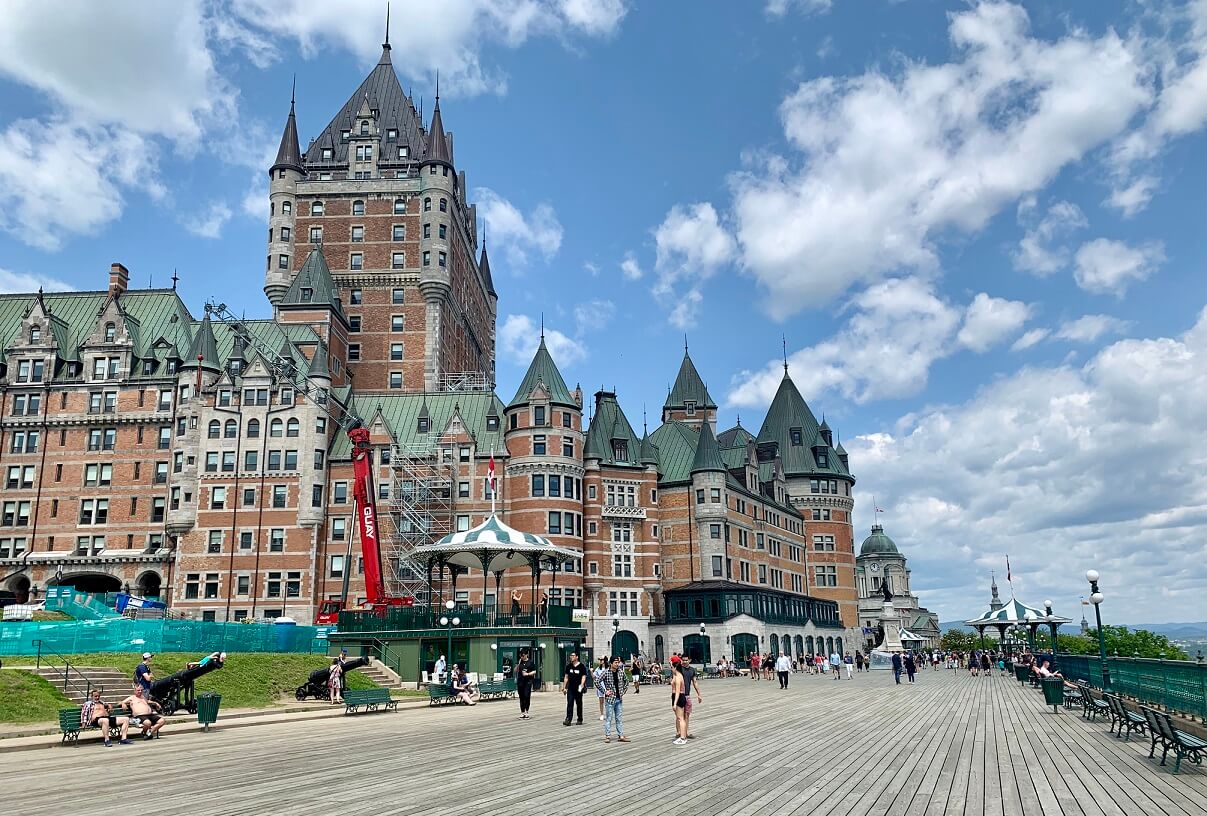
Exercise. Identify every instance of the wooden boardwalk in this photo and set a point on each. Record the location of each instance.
(950, 744)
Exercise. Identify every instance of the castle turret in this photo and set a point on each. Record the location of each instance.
(437, 196)
(283, 178)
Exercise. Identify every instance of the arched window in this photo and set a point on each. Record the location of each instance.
(659, 649)
(292, 428)
(35, 334)
(215, 429)
(444, 205)
(775, 645)
(286, 207)
(110, 332)
(253, 428)
(316, 208)
(358, 208)
(231, 430)
(276, 428)
(364, 127)
(400, 206)
(809, 645)
(427, 205)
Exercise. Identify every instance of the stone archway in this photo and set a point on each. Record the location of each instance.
(624, 645)
(149, 585)
(96, 583)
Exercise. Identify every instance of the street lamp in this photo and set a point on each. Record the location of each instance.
(1096, 598)
(612, 640)
(448, 623)
(1053, 625)
(1030, 619)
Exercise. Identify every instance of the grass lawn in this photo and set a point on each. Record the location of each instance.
(247, 680)
(26, 698)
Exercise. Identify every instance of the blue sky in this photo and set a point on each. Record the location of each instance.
(977, 225)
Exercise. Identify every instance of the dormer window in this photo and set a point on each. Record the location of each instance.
(364, 128)
(35, 334)
(327, 154)
(404, 152)
(316, 208)
(391, 134)
(492, 423)
(797, 437)
(344, 134)
(620, 450)
(823, 459)
(690, 406)
(110, 332)
(425, 425)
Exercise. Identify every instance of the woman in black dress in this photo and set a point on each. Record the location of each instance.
(525, 679)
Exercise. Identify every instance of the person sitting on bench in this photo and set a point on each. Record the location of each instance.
(147, 712)
(1044, 672)
(95, 712)
(461, 685)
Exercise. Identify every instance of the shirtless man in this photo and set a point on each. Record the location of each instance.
(147, 711)
(97, 713)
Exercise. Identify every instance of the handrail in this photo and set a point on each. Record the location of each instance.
(383, 653)
(65, 672)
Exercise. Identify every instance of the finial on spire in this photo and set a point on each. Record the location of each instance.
(175, 279)
(293, 92)
(685, 342)
(437, 87)
(739, 420)
(645, 427)
(386, 44)
(542, 327)
(784, 339)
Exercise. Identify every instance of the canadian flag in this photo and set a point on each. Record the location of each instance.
(490, 474)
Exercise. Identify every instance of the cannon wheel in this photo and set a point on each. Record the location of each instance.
(191, 708)
(300, 694)
(169, 707)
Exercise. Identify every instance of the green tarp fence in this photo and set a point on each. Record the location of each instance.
(1176, 685)
(126, 635)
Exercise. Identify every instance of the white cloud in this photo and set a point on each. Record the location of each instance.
(691, 246)
(254, 203)
(591, 268)
(1029, 339)
(1063, 468)
(518, 234)
(1036, 253)
(593, 315)
(1133, 197)
(630, 268)
(990, 320)
(1109, 266)
(1088, 328)
(778, 8)
(519, 337)
(23, 283)
(429, 37)
(210, 221)
(888, 163)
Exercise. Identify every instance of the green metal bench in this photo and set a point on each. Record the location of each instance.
(1091, 706)
(1173, 739)
(441, 694)
(496, 689)
(72, 727)
(1123, 717)
(373, 699)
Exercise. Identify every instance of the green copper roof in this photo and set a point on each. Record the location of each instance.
(401, 415)
(788, 413)
(319, 368)
(878, 543)
(708, 453)
(543, 371)
(609, 425)
(676, 445)
(649, 451)
(203, 352)
(313, 286)
(689, 387)
(737, 436)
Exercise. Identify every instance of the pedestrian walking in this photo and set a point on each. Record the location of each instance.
(911, 665)
(835, 662)
(638, 670)
(755, 665)
(335, 681)
(525, 679)
(985, 665)
(574, 683)
(679, 700)
(597, 681)
(897, 667)
(848, 663)
(692, 683)
(859, 661)
(615, 684)
(782, 665)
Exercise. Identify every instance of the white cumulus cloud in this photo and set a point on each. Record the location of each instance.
(1042, 249)
(209, 222)
(23, 283)
(1088, 328)
(518, 234)
(1107, 266)
(692, 245)
(520, 335)
(989, 321)
(630, 268)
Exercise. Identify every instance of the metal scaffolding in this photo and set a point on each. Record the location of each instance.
(463, 381)
(421, 511)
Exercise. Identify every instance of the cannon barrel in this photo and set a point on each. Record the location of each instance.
(319, 676)
(169, 685)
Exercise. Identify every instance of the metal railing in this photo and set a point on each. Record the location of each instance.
(469, 616)
(43, 658)
(1178, 686)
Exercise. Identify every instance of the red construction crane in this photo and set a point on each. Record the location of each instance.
(363, 495)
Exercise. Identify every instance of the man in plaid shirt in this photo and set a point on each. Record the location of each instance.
(615, 686)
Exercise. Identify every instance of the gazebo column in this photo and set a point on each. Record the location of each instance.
(484, 557)
(1001, 634)
(498, 594)
(431, 600)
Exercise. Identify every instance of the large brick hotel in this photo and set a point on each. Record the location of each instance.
(143, 448)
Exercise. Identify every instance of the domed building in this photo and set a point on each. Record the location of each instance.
(880, 562)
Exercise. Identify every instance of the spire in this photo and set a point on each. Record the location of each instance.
(437, 144)
(543, 371)
(319, 370)
(484, 270)
(385, 46)
(708, 453)
(689, 387)
(289, 154)
(784, 339)
(203, 353)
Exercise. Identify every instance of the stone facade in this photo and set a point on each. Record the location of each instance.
(880, 562)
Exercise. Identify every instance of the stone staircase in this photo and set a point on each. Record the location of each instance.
(113, 683)
(381, 674)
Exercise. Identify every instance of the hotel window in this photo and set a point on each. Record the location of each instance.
(762, 573)
(354, 323)
(622, 532)
(427, 230)
(251, 460)
(279, 495)
(462, 523)
(622, 603)
(316, 235)
(356, 261)
(555, 486)
(796, 437)
(285, 233)
(358, 207)
(823, 543)
(538, 445)
(555, 523)
(443, 258)
(717, 566)
(249, 497)
(396, 351)
(218, 498)
(316, 495)
(339, 528)
(444, 205)
(397, 323)
(427, 258)
(403, 152)
(399, 232)
(354, 297)
(825, 576)
(215, 542)
(714, 531)
(622, 565)
(427, 205)
(395, 379)
(538, 484)
(353, 352)
(398, 260)
(358, 234)
(282, 262)
(715, 495)
(463, 490)
(400, 206)
(92, 511)
(339, 493)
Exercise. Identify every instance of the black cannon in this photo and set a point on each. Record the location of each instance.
(176, 691)
(316, 685)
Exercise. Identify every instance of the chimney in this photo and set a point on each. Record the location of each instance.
(119, 279)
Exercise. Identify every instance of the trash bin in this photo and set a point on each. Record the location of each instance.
(1054, 692)
(207, 708)
(1021, 670)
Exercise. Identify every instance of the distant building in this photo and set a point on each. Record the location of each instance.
(880, 562)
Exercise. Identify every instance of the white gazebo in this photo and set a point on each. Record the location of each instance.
(1016, 613)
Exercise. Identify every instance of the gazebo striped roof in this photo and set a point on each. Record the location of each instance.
(1011, 613)
(494, 546)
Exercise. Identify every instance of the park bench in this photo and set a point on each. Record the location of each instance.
(71, 726)
(1072, 695)
(1122, 716)
(369, 700)
(441, 694)
(496, 689)
(1091, 706)
(1172, 739)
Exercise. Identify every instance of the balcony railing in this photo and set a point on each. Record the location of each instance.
(1177, 685)
(412, 618)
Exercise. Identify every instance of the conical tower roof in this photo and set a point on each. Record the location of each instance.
(289, 154)
(688, 387)
(203, 352)
(437, 143)
(484, 269)
(319, 369)
(313, 285)
(708, 453)
(794, 428)
(542, 370)
(649, 451)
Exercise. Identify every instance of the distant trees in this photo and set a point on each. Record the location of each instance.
(958, 640)
(1120, 641)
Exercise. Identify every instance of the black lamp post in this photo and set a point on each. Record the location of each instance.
(1096, 598)
(448, 623)
(1053, 626)
(612, 640)
(1031, 624)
